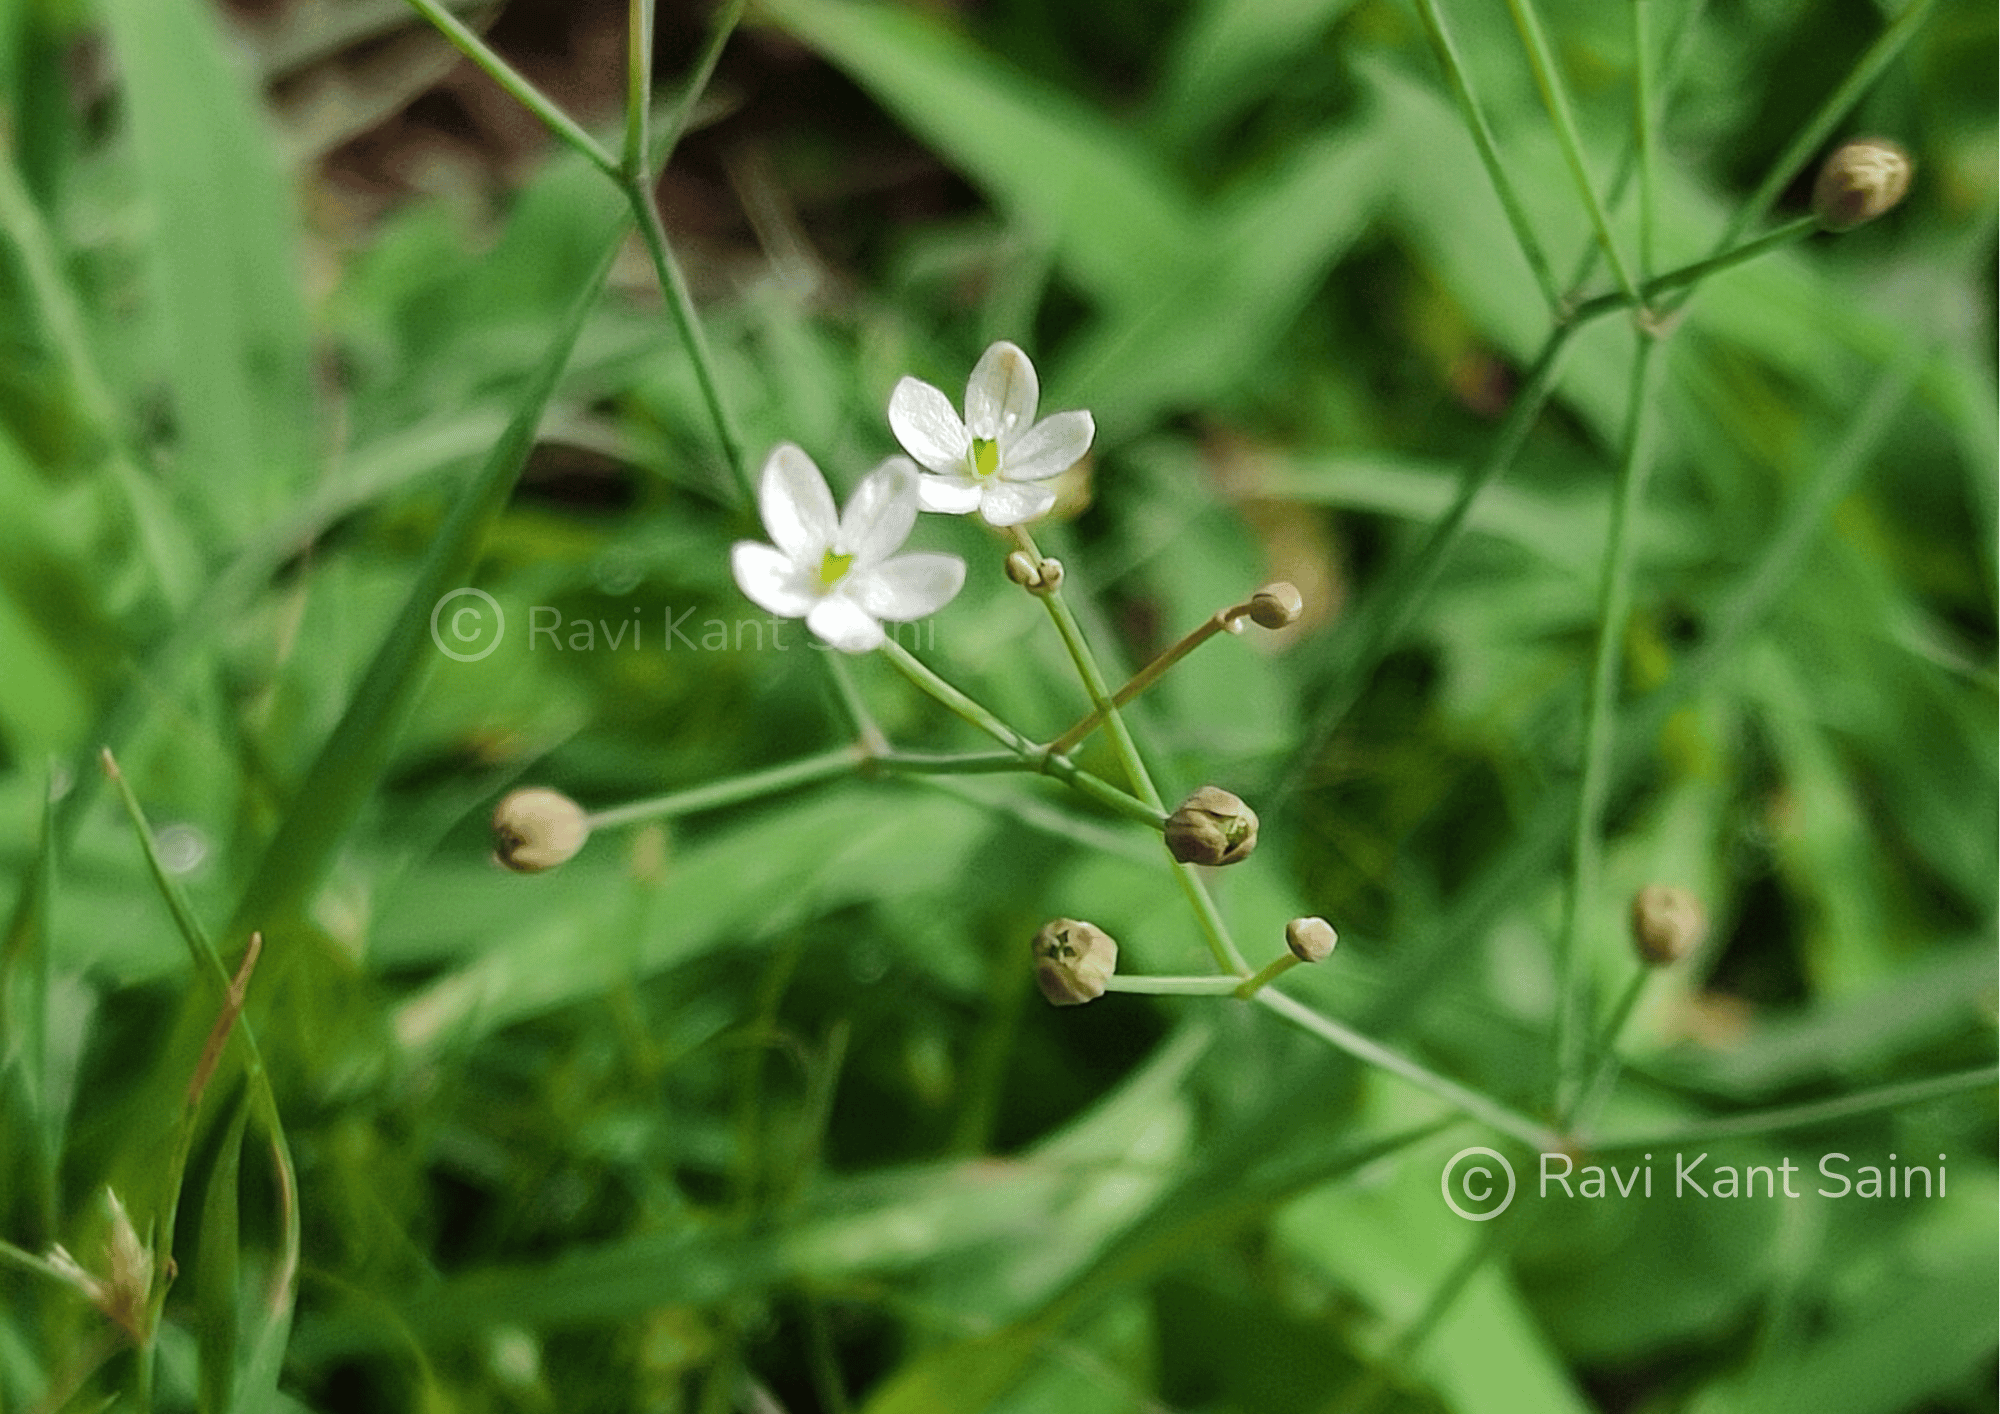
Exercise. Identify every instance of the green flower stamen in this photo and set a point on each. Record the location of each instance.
(832, 567)
(985, 456)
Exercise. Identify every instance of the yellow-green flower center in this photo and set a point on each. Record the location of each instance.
(985, 456)
(832, 567)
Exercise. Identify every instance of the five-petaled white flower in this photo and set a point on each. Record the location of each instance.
(996, 458)
(840, 572)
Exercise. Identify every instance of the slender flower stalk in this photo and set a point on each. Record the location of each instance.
(1273, 606)
(1600, 725)
(1455, 74)
(1555, 98)
(1196, 986)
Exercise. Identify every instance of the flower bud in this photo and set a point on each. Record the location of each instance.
(1860, 181)
(124, 1296)
(1073, 961)
(1310, 939)
(1036, 576)
(1211, 827)
(1668, 923)
(1276, 605)
(537, 829)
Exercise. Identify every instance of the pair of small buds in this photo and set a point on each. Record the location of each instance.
(1037, 576)
(1668, 923)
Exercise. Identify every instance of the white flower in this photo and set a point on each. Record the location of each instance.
(993, 460)
(836, 571)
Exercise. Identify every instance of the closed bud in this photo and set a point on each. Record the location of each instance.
(1211, 827)
(1073, 961)
(1310, 939)
(1276, 605)
(1668, 923)
(1859, 182)
(1042, 576)
(537, 829)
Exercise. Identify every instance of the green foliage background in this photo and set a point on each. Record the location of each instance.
(758, 1104)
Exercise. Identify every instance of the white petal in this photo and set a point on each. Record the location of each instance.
(880, 513)
(1000, 396)
(1012, 502)
(909, 586)
(924, 422)
(771, 580)
(1049, 448)
(845, 624)
(948, 495)
(797, 508)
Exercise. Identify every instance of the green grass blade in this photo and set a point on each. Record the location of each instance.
(24, 1035)
(351, 761)
(232, 328)
(218, 1272)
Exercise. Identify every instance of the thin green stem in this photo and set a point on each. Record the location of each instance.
(1205, 986)
(1267, 974)
(1467, 1101)
(1122, 744)
(1645, 119)
(1628, 159)
(1694, 273)
(1592, 1097)
(1555, 98)
(1613, 598)
(687, 323)
(1828, 116)
(1391, 607)
(559, 123)
(1773, 1121)
(873, 741)
(1141, 680)
(638, 87)
(1215, 929)
(1032, 757)
(734, 791)
(1489, 152)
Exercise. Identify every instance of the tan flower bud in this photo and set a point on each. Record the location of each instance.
(124, 1297)
(537, 829)
(1310, 939)
(1211, 827)
(1276, 605)
(1073, 961)
(1668, 923)
(1860, 181)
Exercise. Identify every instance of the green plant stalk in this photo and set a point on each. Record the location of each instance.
(1204, 986)
(1812, 135)
(1391, 608)
(1687, 276)
(873, 741)
(734, 791)
(1613, 599)
(1645, 135)
(1593, 1096)
(687, 323)
(1032, 757)
(1215, 929)
(1489, 152)
(559, 123)
(1467, 1101)
(1267, 974)
(638, 88)
(1774, 1121)
(1555, 98)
